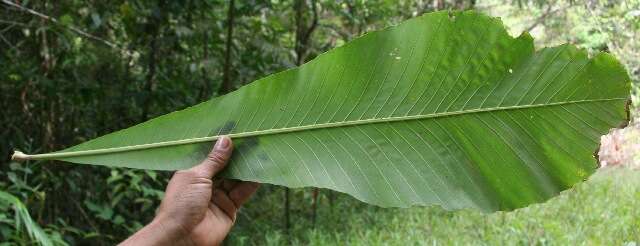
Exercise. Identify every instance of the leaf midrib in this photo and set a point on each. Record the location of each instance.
(295, 129)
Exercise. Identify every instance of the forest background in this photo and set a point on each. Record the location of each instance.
(73, 70)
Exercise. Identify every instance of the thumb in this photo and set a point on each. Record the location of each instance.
(216, 160)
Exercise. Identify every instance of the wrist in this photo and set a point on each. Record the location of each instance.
(170, 231)
(160, 232)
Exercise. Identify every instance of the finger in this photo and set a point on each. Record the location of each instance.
(216, 160)
(242, 192)
(222, 200)
(228, 184)
(219, 212)
(217, 183)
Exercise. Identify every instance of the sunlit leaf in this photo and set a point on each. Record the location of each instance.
(444, 109)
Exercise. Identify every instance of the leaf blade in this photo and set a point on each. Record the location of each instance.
(484, 121)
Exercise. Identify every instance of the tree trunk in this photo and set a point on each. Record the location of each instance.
(287, 204)
(303, 33)
(151, 74)
(226, 85)
(314, 207)
(204, 88)
(438, 5)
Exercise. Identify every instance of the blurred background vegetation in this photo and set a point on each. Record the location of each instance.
(74, 70)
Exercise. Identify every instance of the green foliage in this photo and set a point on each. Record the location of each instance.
(410, 115)
(97, 209)
(22, 222)
(60, 88)
(596, 25)
(600, 211)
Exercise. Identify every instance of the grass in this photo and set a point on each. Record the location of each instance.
(601, 211)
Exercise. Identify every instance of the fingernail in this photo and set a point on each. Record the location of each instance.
(222, 143)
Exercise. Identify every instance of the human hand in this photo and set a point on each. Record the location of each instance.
(195, 209)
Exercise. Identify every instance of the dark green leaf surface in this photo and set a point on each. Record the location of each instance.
(444, 109)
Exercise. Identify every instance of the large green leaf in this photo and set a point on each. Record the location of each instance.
(445, 109)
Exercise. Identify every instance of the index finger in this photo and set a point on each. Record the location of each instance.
(242, 192)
